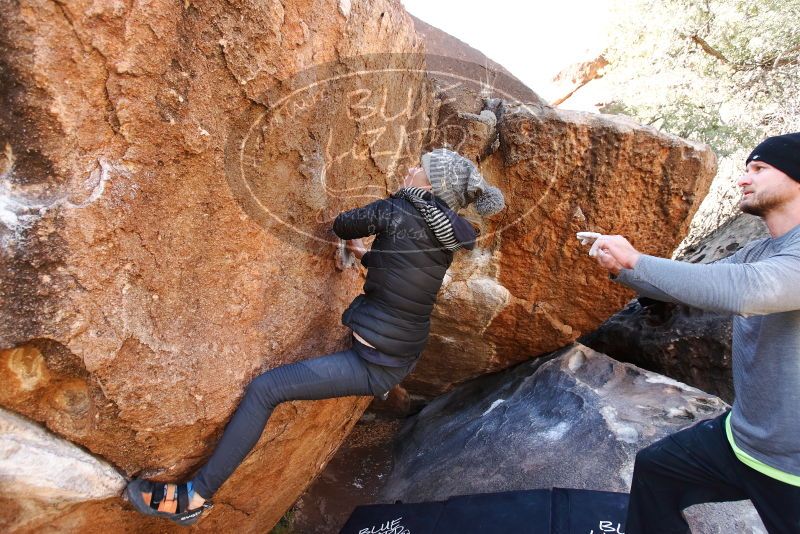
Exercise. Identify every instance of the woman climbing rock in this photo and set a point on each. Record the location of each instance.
(416, 233)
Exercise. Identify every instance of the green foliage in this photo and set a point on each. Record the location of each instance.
(724, 72)
(284, 526)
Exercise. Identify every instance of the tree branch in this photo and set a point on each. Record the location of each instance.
(785, 58)
(707, 48)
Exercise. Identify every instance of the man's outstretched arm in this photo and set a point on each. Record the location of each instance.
(619, 273)
(767, 286)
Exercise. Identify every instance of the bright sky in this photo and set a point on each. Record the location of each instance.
(533, 40)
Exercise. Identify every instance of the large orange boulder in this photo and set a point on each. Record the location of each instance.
(169, 175)
(530, 288)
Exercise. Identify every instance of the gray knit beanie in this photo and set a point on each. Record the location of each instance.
(456, 180)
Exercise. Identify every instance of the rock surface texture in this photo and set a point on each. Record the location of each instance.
(575, 420)
(685, 343)
(140, 291)
(168, 175)
(353, 477)
(45, 470)
(530, 288)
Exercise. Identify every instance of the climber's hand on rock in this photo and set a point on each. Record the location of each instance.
(356, 246)
(344, 258)
(614, 252)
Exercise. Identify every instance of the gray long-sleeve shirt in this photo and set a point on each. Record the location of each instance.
(760, 286)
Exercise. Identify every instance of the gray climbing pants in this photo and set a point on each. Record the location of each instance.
(340, 374)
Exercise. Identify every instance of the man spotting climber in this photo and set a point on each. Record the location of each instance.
(416, 233)
(753, 451)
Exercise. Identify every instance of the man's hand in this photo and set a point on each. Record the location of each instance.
(613, 252)
(587, 238)
(356, 246)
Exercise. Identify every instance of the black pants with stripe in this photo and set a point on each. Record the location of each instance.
(697, 465)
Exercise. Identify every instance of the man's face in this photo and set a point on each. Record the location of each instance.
(765, 188)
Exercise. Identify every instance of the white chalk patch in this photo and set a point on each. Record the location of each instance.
(18, 212)
(653, 378)
(679, 412)
(7, 212)
(576, 361)
(494, 405)
(100, 178)
(557, 432)
(624, 432)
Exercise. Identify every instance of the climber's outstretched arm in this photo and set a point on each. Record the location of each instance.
(362, 222)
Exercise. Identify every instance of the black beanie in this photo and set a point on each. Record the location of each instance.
(782, 152)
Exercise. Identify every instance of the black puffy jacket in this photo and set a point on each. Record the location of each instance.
(405, 268)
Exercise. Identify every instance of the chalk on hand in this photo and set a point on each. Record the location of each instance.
(344, 258)
(587, 238)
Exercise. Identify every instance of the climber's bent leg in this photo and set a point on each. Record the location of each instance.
(339, 374)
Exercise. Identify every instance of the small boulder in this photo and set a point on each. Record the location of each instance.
(39, 470)
(574, 419)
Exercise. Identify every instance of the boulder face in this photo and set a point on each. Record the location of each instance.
(688, 344)
(531, 288)
(168, 176)
(353, 477)
(140, 292)
(574, 419)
